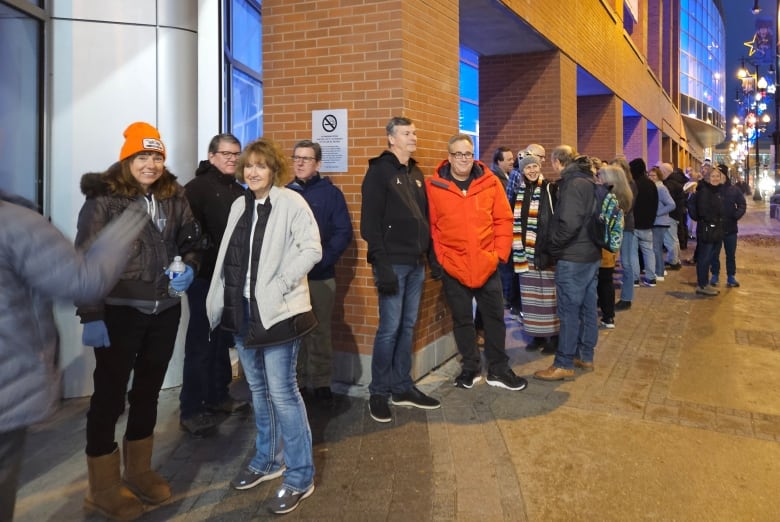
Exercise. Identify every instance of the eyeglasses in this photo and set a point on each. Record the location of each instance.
(226, 154)
(305, 159)
(462, 155)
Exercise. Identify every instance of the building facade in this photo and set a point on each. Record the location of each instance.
(601, 75)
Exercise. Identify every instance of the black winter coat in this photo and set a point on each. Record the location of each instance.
(646, 205)
(394, 212)
(705, 206)
(143, 284)
(569, 237)
(734, 207)
(210, 195)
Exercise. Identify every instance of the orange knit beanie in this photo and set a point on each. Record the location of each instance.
(141, 136)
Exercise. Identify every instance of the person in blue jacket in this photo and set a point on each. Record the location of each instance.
(327, 202)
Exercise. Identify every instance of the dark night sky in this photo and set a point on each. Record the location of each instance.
(740, 27)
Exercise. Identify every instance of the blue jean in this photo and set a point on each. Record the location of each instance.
(645, 238)
(391, 364)
(280, 414)
(207, 371)
(729, 243)
(575, 284)
(703, 261)
(630, 270)
(658, 248)
(672, 244)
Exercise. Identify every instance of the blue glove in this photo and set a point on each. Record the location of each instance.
(95, 334)
(183, 281)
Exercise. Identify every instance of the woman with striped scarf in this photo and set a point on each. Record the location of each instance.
(533, 199)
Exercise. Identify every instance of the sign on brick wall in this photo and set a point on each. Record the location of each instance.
(329, 128)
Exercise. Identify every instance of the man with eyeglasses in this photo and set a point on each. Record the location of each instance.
(471, 230)
(329, 206)
(207, 369)
(394, 224)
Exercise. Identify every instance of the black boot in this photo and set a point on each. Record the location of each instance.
(551, 346)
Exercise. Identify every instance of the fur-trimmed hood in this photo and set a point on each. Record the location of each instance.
(95, 184)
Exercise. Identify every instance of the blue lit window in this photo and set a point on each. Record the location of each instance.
(469, 95)
(242, 110)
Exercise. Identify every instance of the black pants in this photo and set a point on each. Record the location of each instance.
(606, 292)
(490, 301)
(207, 370)
(11, 446)
(142, 344)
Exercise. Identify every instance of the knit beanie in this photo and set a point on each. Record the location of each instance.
(528, 160)
(724, 169)
(139, 137)
(638, 168)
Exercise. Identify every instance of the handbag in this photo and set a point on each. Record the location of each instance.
(711, 232)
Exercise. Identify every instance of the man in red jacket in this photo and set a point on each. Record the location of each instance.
(471, 230)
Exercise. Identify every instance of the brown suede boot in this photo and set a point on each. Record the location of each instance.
(138, 476)
(106, 494)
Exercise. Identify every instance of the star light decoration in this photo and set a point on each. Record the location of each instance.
(751, 44)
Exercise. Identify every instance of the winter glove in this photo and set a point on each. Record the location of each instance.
(183, 281)
(95, 334)
(386, 280)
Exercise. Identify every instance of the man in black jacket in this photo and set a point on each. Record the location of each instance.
(394, 223)
(577, 266)
(645, 209)
(207, 367)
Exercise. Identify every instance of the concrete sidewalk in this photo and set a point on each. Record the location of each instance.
(679, 421)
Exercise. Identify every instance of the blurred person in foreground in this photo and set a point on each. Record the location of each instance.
(133, 330)
(38, 264)
(260, 292)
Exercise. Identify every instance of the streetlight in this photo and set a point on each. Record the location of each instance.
(752, 107)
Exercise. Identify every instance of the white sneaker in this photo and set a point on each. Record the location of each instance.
(660, 278)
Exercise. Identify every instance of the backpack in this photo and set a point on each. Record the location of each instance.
(606, 222)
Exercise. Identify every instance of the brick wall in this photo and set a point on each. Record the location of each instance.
(600, 126)
(377, 60)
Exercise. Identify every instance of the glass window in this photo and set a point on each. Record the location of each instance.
(20, 110)
(247, 35)
(242, 110)
(247, 107)
(469, 95)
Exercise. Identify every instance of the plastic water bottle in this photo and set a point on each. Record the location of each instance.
(175, 269)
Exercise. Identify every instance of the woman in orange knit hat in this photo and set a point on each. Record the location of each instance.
(134, 328)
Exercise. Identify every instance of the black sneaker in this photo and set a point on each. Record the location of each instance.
(649, 282)
(507, 379)
(378, 408)
(416, 399)
(199, 425)
(247, 478)
(622, 305)
(287, 500)
(678, 266)
(468, 378)
(608, 322)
